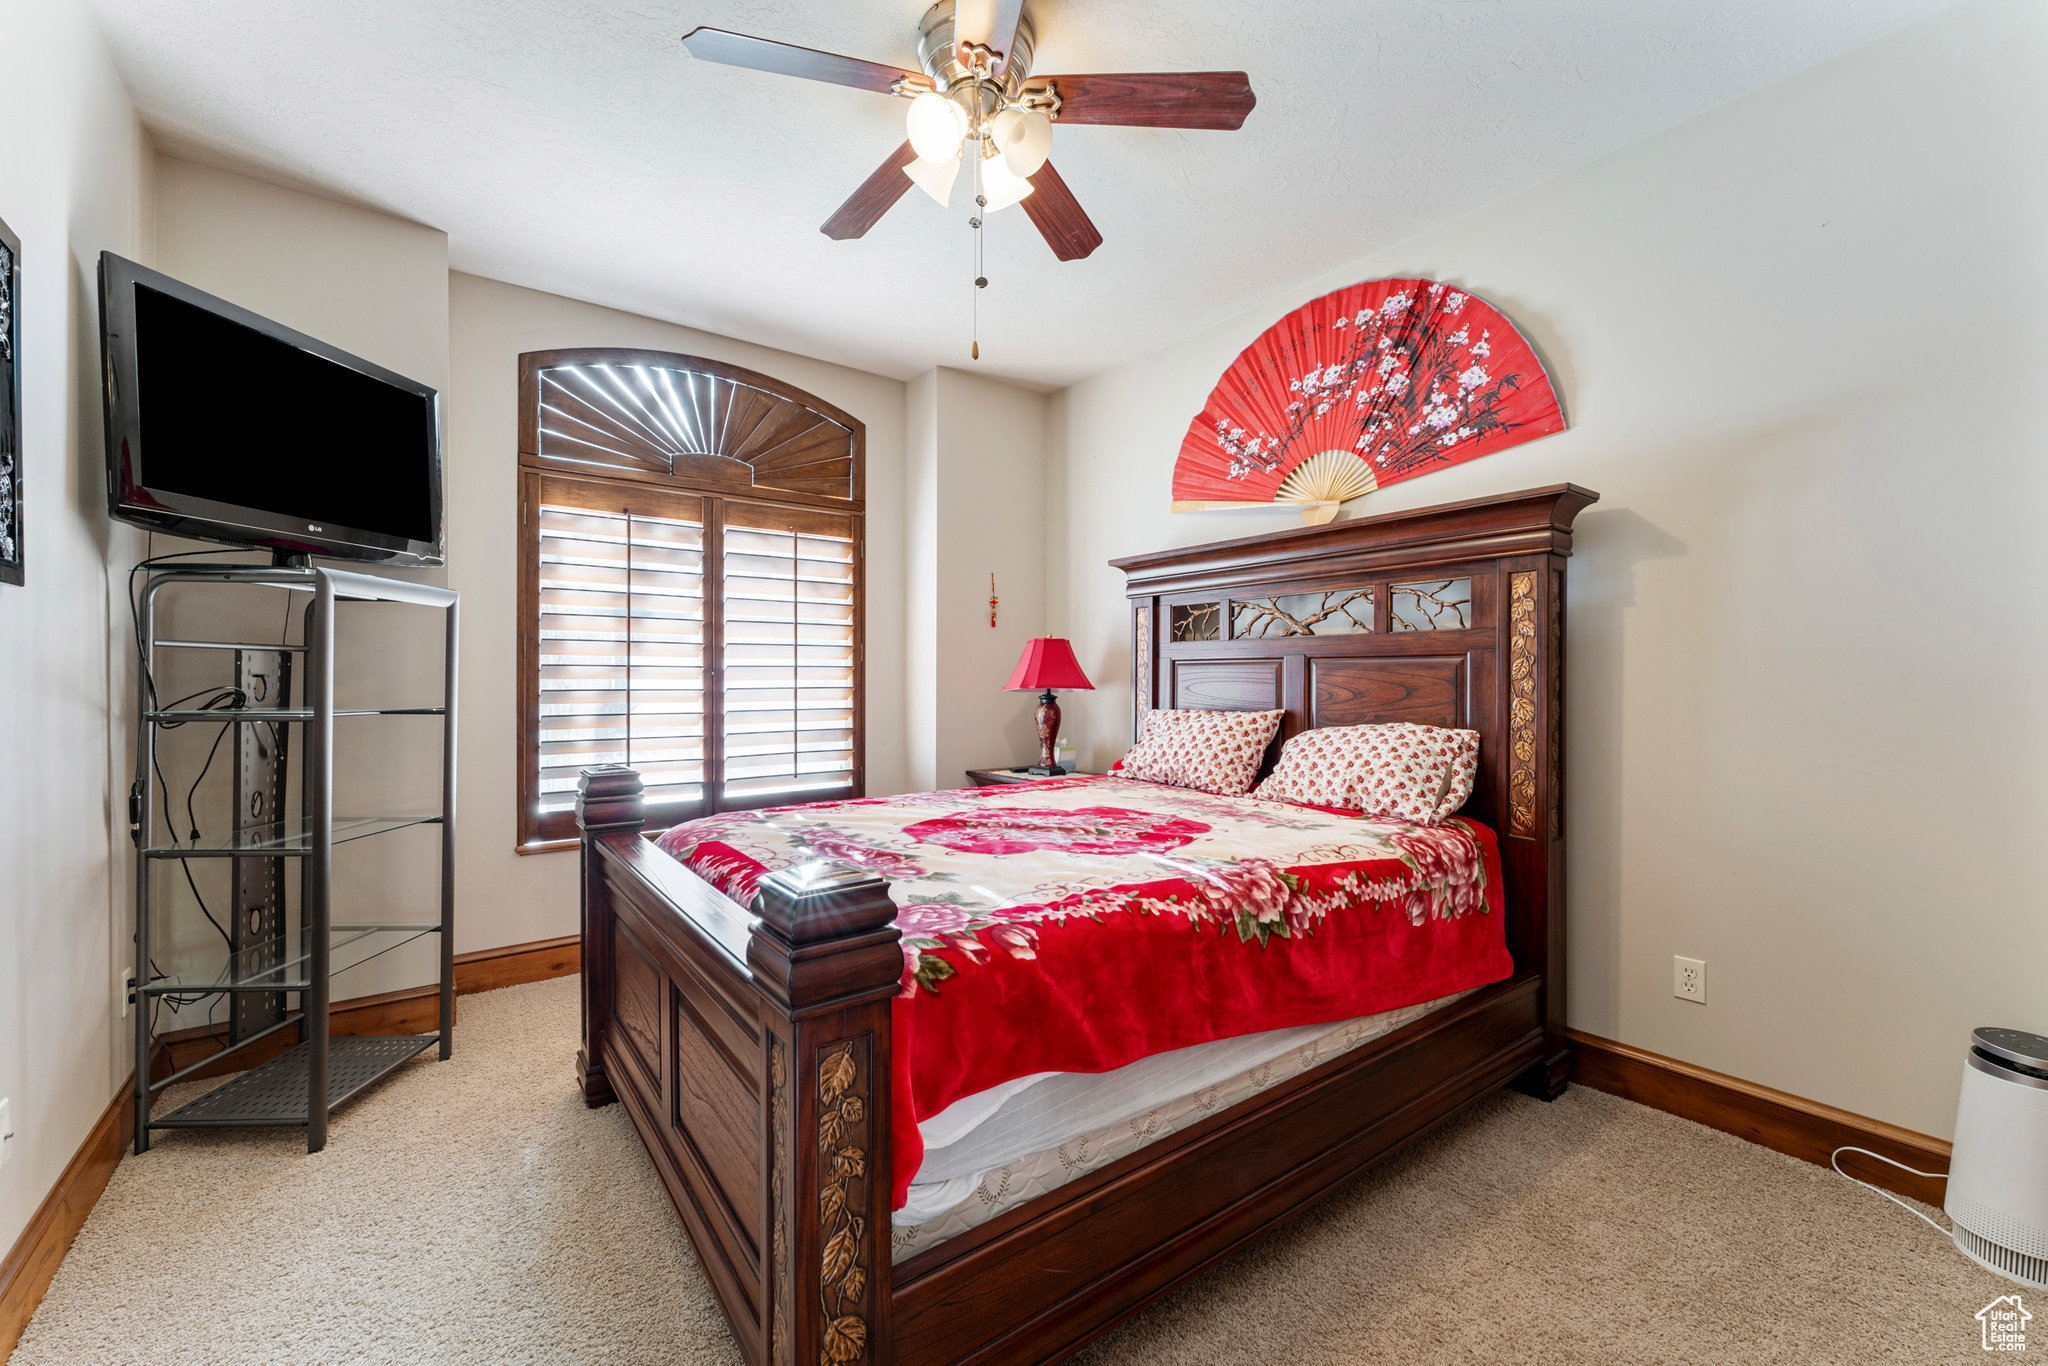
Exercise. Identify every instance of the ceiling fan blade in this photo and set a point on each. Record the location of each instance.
(1059, 216)
(786, 59)
(1003, 31)
(1170, 99)
(865, 206)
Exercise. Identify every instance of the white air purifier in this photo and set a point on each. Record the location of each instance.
(1998, 1177)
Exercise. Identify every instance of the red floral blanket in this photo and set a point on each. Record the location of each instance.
(1079, 924)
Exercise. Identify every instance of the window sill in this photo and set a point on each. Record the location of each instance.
(567, 843)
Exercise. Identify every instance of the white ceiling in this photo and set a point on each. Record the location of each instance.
(573, 146)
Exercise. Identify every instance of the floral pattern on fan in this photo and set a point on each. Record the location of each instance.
(1400, 770)
(1363, 388)
(1084, 830)
(1209, 751)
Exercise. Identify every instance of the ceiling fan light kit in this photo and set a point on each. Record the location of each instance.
(1000, 186)
(1025, 136)
(935, 178)
(976, 91)
(936, 125)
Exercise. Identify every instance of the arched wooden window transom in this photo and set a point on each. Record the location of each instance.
(690, 586)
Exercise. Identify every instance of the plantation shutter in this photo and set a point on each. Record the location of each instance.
(621, 666)
(689, 587)
(790, 655)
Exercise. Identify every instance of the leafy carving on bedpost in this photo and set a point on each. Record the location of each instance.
(825, 950)
(844, 1170)
(1556, 704)
(1142, 684)
(778, 1202)
(609, 801)
(1522, 704)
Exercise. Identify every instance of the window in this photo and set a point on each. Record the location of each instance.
(621, 649)
(690, 588)
(788, 630)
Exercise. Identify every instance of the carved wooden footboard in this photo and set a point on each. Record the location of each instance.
(751, 1046)
(753, 1056)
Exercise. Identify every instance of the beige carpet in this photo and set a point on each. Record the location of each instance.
(475, 1211)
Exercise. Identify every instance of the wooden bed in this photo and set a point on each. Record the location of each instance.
(726, 1032)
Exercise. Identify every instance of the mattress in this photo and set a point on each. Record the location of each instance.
(1042, 1132)
(1078, 926)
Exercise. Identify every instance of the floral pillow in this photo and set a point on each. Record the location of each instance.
(1414, 773)
(1209, 751)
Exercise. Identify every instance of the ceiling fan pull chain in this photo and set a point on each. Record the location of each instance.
(980, 270)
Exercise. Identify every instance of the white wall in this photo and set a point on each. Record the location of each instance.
(978, 507)
(921, 644)
(1798, 342)
(73, 182)
(371, 284)
(517, 898)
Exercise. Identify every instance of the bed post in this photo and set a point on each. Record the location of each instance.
(608, 802)
(1532, 844)
(824, 950)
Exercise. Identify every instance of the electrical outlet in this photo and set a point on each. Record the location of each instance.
(6, 1131)
(1689, 979)
(124, 991)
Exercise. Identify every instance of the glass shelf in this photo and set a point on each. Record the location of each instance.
(308, 949)
(281, 964)
(286, 839)
(260, 714)
(272, 648)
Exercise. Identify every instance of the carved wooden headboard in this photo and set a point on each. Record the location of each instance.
(1447, 616)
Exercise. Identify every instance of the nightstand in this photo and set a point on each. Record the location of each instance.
(1003, 777)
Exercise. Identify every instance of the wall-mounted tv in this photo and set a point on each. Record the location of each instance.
(226, 426)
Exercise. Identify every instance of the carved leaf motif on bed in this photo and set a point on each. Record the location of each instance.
(843, 1119)
(751, 1046)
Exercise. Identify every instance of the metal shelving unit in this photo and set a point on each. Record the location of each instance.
(306, 1083)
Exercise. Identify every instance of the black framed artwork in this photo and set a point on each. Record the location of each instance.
(10, 406)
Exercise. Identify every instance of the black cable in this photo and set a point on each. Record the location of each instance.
(228, 698)
(135, 607)
(239, 702)
(193, 820)
(186, 864)
(233, 698)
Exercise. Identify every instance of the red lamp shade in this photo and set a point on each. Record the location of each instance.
(1048, 662)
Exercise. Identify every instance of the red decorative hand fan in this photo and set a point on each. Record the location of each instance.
(1360, 389)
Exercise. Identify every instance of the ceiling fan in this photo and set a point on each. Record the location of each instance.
(976, 94)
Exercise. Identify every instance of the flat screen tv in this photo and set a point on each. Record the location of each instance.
(226, 426)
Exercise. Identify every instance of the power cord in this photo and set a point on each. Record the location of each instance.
(135, 607)
(1835, 1161)
(217, 699)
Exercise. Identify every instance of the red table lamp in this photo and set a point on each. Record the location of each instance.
(1048, 663)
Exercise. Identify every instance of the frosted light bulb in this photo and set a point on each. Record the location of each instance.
(935, 178)
(1002, 186)
(936, 126)
(1025, 137)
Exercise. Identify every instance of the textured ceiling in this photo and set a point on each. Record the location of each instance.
(573, 146)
